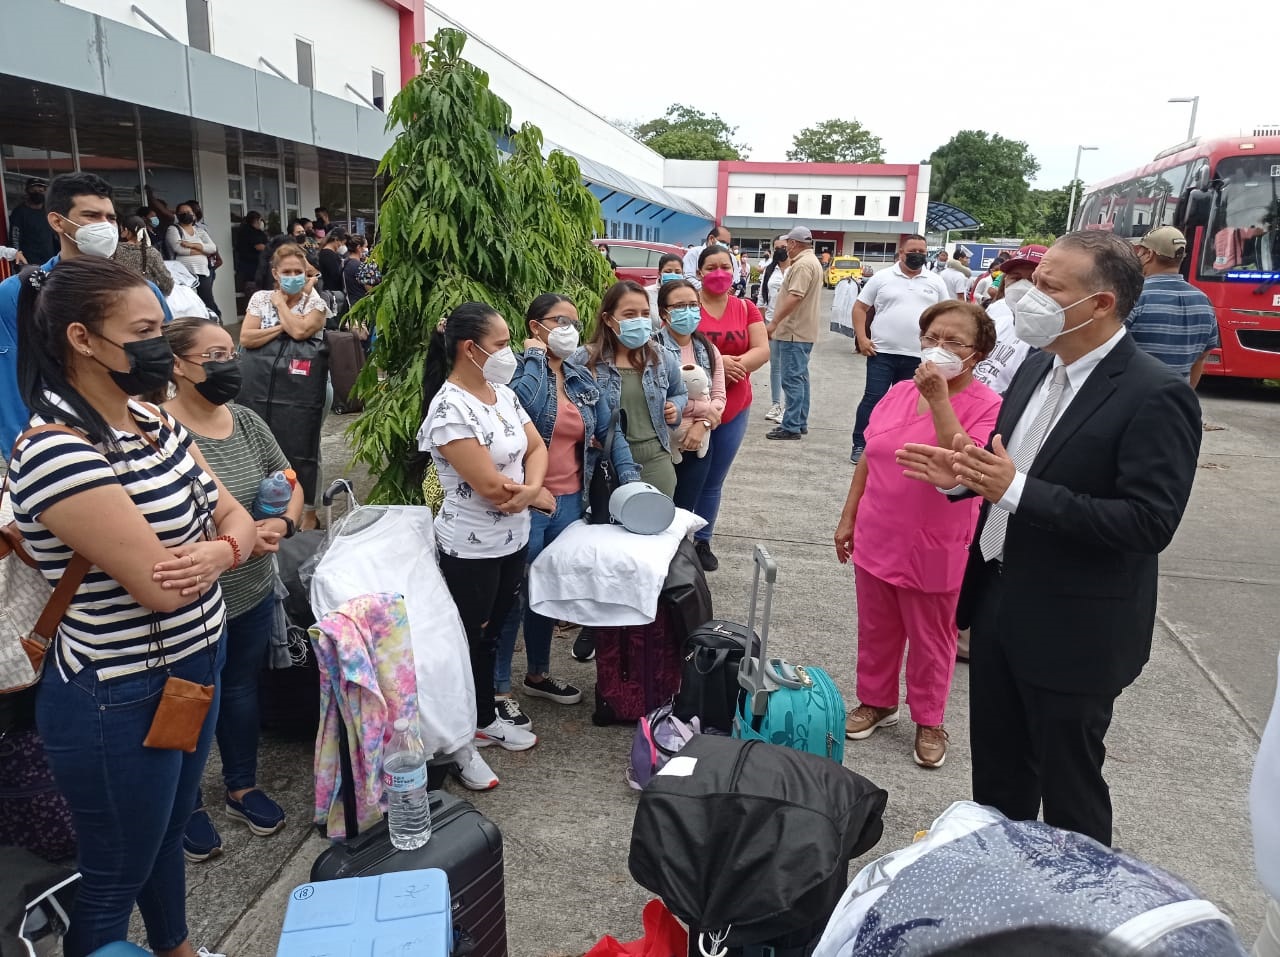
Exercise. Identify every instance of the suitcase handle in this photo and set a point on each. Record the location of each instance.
(751, 676)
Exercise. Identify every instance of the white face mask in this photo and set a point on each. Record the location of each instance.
(948, 363)
(95, 239)
(1016, 290)
(562, 341)
(342, 250)
(499, 368)
(1038, 319)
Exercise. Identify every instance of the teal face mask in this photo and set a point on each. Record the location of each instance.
(633, 333)
(292, 284)
(667, 277)
(684, 319)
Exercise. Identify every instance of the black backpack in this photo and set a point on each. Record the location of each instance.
(709, 687)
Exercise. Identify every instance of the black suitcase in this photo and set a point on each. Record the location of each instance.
(709, 686)
(346, 359)
(464, 843)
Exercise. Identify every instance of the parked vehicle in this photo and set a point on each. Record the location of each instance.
(637, 260)
(843, 267)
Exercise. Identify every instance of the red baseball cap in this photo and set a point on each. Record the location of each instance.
(1027, 254)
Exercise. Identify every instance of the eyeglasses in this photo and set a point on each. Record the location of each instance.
(214, 355)
(562, 321)
(204, 510)
(951, 345)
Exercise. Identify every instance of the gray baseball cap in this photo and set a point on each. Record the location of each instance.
(800, 234)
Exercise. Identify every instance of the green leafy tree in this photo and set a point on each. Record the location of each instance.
(836, 141)
(1048, 214)
(988, 177)
(459, 223)
(686, 133)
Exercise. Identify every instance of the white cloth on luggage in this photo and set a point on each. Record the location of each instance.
(184, 302)
(842, 307)
(604, 576)
(396, 552)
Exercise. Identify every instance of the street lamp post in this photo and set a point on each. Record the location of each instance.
(1071, 206)
(1195, 104)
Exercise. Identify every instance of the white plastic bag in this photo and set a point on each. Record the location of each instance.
(392, 549)
(184, 302)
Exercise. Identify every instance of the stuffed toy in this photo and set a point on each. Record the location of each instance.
(698, 383)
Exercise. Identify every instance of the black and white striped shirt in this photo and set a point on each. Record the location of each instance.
(105, 628)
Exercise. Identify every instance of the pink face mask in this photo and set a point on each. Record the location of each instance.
(717, 282)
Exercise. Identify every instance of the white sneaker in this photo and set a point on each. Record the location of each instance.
(473, 771)
(775, 413)
(505, 735)
(206, 952)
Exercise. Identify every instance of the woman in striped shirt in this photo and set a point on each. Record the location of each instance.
(241, 451)
(131, 494)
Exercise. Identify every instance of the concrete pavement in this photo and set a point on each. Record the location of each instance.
(1180, 749)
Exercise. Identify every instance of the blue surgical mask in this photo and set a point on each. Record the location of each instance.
(154, 221)
(667, 277)
(292, 284)
(685, 319)
(633, 333)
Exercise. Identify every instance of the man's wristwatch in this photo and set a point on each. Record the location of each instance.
(706, 423)
(289, 527)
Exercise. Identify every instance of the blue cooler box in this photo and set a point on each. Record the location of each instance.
(403, 913)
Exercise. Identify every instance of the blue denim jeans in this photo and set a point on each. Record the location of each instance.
(691, 478)
(794, 359)
(543, 530)
(775, 373)
(247, 637)
(129, 803)
(883, 371)
(725, 442)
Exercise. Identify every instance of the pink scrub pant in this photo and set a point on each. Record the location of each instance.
(889, 617)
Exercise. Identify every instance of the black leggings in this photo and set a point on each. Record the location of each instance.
(483, 589)
(205, 291)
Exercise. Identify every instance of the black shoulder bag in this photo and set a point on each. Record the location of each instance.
(604, 479)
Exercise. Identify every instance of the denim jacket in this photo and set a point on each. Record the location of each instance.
(663, 383)
(535, 386)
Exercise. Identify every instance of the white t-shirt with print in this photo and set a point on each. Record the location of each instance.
(470, 526)
(260, 304)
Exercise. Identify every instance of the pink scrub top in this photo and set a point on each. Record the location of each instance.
(908, 533)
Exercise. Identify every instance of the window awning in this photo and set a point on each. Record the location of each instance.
(943, 216)
(598, 173)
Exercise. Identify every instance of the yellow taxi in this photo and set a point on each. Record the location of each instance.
(843, 267)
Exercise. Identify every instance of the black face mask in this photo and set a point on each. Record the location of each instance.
(780, 255)
(35, 198)
(186, 218)
(150, 365)
(221, 381)
(914, 260)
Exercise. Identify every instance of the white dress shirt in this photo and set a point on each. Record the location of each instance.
(1078, 373)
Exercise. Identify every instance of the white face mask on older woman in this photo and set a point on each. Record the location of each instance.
(947, 362)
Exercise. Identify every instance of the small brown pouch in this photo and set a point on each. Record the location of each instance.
(180, 716)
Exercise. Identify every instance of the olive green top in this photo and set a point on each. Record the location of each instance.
(635, 407)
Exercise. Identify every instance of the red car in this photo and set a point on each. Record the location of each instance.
(636, 260)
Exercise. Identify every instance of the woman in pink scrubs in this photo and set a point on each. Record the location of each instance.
(908, 543)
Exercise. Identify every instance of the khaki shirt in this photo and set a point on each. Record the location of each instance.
(804, 278)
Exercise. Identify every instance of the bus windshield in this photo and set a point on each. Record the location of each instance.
(1243, 236)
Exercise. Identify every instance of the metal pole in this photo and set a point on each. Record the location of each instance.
(1191, 130)
(1075, 177)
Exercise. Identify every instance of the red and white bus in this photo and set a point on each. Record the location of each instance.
(1224, 194)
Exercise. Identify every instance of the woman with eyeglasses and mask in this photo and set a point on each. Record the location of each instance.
(680, 313)
(908, 544)
(241, 451)
(571, 414)
(639, 377)
(190, 245)
(492, 463)
(736, 328)
(128, 501)
(134, 250)
(670, 268)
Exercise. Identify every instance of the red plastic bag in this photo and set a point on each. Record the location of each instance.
(664, 936)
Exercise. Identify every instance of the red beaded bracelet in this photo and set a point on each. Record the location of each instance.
(235, 550)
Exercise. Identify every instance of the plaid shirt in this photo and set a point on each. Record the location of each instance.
(1174, 322)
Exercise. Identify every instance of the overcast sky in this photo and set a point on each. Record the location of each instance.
(1060, 75)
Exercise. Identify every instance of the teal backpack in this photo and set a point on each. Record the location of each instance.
(789, 705)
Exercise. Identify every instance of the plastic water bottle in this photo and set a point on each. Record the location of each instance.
(273, 496)
(404, 779)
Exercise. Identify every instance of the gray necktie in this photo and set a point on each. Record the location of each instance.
(992, 541)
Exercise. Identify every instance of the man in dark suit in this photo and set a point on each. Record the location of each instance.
(1085, 482)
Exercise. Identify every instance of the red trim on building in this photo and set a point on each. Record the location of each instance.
(818, 169)
(413, 29)
(909, 203)
(722, 189)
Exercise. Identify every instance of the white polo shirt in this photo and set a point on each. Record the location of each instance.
(899, 300)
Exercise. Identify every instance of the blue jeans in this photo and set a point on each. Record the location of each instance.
(247, 637)
(543, 530)
(725, 441)
(775, 373)
(129, 803)
(883, 371)
(691, 478)
(794, 358)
